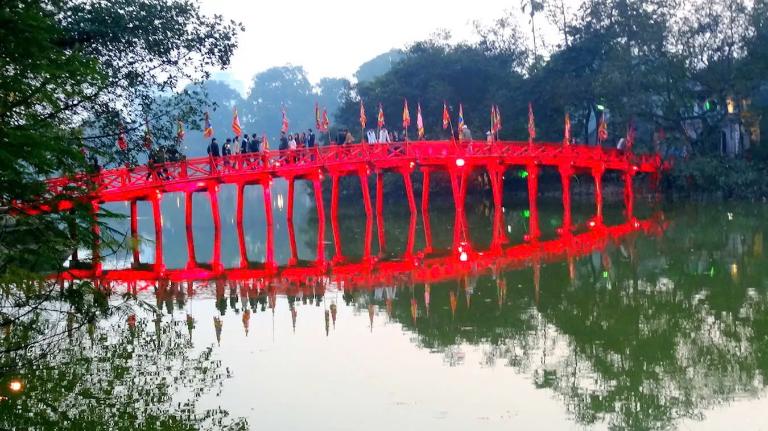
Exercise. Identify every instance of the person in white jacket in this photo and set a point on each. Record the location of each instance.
(384, 136)
(371, 136)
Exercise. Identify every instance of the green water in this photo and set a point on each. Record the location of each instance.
(647, 332)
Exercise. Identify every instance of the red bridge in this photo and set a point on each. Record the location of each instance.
(313, 164)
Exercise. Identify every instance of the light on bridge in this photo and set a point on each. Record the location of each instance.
(459, 162)
(463, 256)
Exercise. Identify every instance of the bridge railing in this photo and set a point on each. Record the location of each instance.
(268, 162)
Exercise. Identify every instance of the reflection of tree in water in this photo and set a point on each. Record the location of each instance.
(638, 339)
(120, 376)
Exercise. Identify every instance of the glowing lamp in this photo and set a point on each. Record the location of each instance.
(459, 162)
(591, 224)
(15, 385)
(201, 184)
(463, 256)
(412, 165)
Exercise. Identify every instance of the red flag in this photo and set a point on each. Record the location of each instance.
(147, 135)
(567, 133)
(325, 124)
(602, 130)
(419, 121)
(631, 135)
(179, 131)
(236, 124)
(493, 119)
(461, 117)
(406, 115)
(363, 118)
(446, 117)
(122, 143)
(207, 129)
(284, 125)
(531, 123)
(380, 122)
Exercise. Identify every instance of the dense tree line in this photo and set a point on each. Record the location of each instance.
(667, 65)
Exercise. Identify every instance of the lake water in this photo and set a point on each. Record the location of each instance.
(664, 327)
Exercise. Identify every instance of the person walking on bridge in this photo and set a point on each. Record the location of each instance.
(213, 148)
(213, 153)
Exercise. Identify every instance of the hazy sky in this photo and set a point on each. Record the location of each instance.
(333, 37)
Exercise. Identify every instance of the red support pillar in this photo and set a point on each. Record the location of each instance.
(269, 258)
(96, 253)
(459, 189)
(496, 174)
(292, 243)
(380, 211)
(425, 210)
(368, 237)
(411, 236)
(191, 260)
(533, 191)
(363, 176)
(566, 171)
(406, 173)
(335, 217)
(318, 187)
(240, 229)
(629, 194)
(597, 174)
(158, 220)
(213, 193)
(289, 210)
(135, 233)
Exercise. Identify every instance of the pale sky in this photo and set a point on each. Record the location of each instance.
(331, 38)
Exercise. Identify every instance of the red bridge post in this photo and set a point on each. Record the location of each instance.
(380, 211)
(191, 260)
(629, 193)
(318, 187)
(425, 210)
(289, 210)
(158, 220)
(338, 256)
(96, 253)
(566, 171)
(533, 208)
(406, 173)
(597, 174)
(135, 232)
(240, 228)
(269, 258)
(213, 193)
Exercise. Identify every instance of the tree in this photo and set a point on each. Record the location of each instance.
(72, 72)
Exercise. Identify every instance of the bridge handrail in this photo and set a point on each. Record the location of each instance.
(203, 168)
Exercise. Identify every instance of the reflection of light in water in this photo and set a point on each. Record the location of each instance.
(730, 216)
(509, 228)
(734, 270)
(280, 202)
